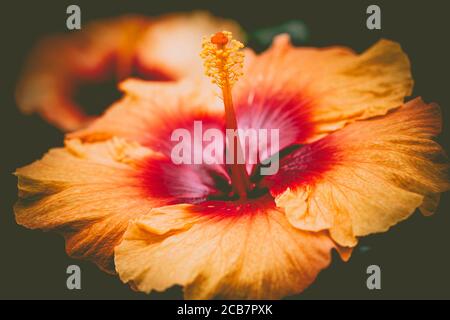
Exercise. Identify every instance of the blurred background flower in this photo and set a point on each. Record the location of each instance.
(159, 49)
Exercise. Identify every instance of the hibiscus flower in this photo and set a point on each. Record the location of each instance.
(354, 159)
(114, 49)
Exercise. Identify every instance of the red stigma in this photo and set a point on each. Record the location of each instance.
(219, 39)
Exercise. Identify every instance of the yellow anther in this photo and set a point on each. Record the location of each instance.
(223, 61)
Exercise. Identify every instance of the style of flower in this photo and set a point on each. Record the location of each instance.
(355, 159)
(158, 49)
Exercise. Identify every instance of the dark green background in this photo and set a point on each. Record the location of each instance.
(413, 256)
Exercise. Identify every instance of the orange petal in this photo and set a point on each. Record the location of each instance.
(155, 109)
(430, 204)
(309, 92)
(214, 252)
(86, 192)
(368, 176)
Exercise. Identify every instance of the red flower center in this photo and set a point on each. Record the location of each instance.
(194, 183)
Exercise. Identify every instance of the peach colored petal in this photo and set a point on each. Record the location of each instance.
(256, 255)
(377, 173)
(86, 192)
(309, 92)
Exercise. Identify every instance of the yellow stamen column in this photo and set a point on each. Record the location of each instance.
(223, 63)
